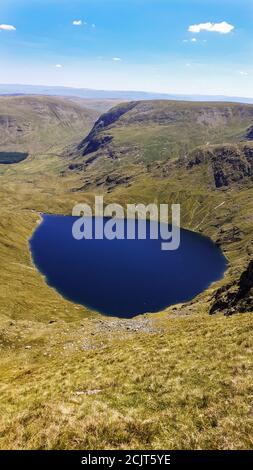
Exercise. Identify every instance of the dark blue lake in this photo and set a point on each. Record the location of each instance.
(124, 277)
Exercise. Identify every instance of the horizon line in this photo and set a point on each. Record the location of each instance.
(127, 90)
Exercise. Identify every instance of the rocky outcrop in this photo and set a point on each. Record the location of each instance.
(229, 163)
(249, 133)
(96, 139)
(109, 182)
(95, 143)
(228, 236)
(235, 298)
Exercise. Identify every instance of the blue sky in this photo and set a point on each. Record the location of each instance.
(174, 46)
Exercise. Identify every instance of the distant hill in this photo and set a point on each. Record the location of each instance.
(34, 123)
(207, 142)
(147, 131)
(119, 95)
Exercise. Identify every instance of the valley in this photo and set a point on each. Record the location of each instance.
(73, 378)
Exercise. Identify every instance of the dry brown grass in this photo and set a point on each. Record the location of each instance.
(188, 386)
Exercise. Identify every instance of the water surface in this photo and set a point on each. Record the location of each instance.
(124, 277)
(8, 158)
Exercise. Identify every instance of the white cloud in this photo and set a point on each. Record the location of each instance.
(58, 66)
(7, 27)
(93, 25)
(77, 23)
(116, 59)
(189, 40)
(243, 73)
(222, 28)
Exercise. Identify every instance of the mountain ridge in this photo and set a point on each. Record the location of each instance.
(147, 131)
(123, 95)
(32, 123)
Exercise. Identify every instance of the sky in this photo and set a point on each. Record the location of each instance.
(170, 46)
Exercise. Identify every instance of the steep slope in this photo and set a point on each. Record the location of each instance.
(235, 297)
(33, 123)
(147, 131)
(197, 154)
(227, 164)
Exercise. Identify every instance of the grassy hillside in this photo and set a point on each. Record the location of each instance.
(35, 123)
(71, 378)
(161, 130)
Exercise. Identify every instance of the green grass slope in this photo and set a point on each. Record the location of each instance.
(73, 379)
(158, 130)
(35, 123)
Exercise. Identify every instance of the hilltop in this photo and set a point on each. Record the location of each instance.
(134, 137)
(158, 130)
(120, 95)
